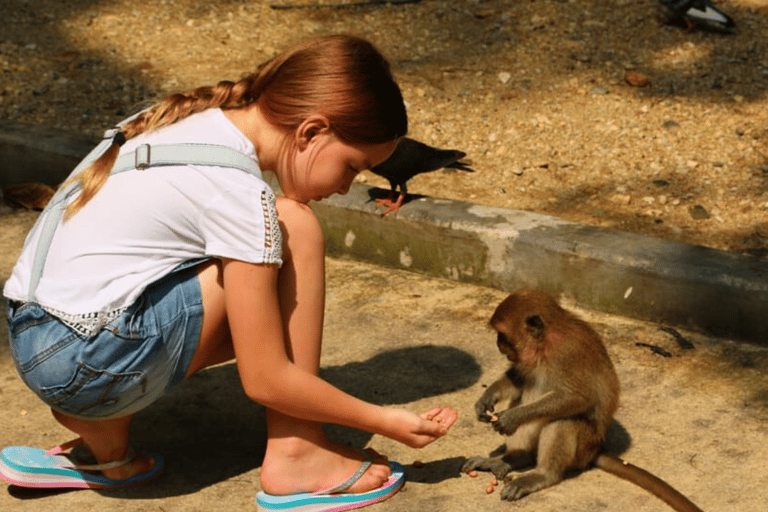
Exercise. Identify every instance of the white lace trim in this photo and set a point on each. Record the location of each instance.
(86, 324)
(273, 237)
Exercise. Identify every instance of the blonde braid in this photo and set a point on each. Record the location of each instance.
(225, 94)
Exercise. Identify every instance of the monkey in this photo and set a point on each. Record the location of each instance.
(562, 392)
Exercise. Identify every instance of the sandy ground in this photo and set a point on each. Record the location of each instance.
(534, 92)
(698, 418)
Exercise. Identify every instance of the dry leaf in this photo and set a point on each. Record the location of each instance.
(32, 196)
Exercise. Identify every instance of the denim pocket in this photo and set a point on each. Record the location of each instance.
(26, 316)
(98, 393)
(36, 336)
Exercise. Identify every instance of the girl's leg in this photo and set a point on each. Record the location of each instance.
(107, 440)
(297, 450)
(298, 457)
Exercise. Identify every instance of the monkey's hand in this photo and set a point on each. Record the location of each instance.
(484, 414)
(501, 390)
(485, 405)
(507, 422)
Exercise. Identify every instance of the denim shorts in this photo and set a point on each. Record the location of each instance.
(134, 360)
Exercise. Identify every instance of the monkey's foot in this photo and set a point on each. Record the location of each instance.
(495, 465)
(523, 484)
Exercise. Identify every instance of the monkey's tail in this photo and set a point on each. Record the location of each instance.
(646, 480)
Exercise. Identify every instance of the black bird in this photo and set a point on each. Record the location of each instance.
(700, 13)
(410, 158)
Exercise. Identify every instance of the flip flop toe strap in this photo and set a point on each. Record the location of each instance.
(351, 480)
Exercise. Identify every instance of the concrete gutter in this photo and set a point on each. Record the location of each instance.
(692, 287)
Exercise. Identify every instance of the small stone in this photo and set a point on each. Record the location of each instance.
(698, 212)
(621, 198)
(636, 78)
(504, 77)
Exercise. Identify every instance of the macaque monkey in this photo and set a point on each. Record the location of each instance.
(558, 398)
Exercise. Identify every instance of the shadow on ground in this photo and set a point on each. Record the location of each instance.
(209, 431)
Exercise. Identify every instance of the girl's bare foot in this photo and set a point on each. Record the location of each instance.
(107, 441)
(295, 465)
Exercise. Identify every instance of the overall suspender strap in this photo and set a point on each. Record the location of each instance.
(144, 157)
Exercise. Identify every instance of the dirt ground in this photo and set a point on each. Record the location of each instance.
(533, 90)
(698, 418)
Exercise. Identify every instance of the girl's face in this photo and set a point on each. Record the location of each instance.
(326, 165)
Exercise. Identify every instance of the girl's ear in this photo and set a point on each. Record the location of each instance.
(310, 128)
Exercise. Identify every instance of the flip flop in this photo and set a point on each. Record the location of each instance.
(33, 467)
(329, 501)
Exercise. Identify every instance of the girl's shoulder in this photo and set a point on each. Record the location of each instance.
(210, 126)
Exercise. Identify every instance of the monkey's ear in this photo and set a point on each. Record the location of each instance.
(534, 325)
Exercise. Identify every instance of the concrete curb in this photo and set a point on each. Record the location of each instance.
(616, 272)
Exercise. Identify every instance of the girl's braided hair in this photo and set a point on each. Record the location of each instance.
(343, 78)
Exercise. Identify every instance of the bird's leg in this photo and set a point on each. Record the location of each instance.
(388, 201)
(392, 204)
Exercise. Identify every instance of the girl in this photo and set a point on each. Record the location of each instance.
(155, 273)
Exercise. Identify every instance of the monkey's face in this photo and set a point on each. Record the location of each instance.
(506, 348)
(520, 323)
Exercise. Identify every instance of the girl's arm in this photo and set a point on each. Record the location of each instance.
(270, 378)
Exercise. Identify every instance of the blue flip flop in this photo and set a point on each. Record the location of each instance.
(33, 467)
(333, 500)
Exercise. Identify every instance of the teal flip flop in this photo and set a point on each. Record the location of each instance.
(333, 500)
(33, 467)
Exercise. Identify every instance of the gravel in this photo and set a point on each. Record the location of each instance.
(598, 112)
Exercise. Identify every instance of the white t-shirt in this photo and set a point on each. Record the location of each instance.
(144, 223)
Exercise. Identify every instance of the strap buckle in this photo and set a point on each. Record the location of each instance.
(142, 158)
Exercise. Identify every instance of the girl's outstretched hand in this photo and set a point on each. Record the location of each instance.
(427, 427)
